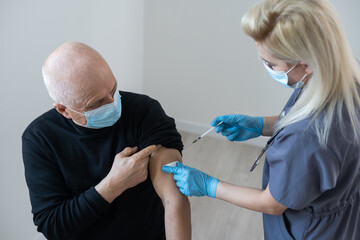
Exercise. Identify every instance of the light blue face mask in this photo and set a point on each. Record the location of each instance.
(282, 77)
(104, 116)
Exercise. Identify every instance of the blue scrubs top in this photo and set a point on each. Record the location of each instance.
(319, 185)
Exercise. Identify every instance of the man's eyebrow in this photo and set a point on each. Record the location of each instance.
(100, 100)
(94, 103)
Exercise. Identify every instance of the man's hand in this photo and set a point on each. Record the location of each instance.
(128, 170)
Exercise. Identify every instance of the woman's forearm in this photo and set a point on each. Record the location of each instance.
(269, 125)
(249, 198)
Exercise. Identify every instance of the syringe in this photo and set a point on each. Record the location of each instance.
(205, 133)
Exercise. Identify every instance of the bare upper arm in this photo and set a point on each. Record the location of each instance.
(164, 183)
(273, 206)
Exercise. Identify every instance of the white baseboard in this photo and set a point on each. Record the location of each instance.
(200, 128)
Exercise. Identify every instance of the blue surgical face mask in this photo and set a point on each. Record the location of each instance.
(282, 77)
(104, 116)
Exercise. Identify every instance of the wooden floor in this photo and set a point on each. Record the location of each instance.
(230, 162)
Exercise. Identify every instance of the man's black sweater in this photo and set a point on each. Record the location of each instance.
(63, 162)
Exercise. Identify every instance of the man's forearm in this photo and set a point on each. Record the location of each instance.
(106, 192)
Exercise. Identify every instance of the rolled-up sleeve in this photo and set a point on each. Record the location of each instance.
(158, 128)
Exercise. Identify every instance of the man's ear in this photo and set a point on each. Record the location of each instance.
(61, 109)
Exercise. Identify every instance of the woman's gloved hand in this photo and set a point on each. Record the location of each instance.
(238, 127)
(192, 182)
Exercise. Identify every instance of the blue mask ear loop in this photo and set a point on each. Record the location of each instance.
(65, 105)
(78, 113)
(74, 110)
(292, 68)
(299, 83)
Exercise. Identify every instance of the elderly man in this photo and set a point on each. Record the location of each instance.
(86, 161)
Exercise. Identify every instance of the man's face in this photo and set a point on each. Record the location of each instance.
(98, 93)
(79, 79)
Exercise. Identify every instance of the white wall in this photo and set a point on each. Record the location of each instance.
(199, 63)
(30, 31)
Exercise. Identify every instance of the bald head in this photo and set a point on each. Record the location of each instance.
(73, 72)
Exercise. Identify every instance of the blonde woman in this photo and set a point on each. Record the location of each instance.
(311, 176)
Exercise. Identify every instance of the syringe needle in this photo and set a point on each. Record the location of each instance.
(207, 132)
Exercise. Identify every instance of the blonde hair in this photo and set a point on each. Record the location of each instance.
(311, 31)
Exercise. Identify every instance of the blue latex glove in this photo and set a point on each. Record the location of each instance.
(238, 127)
(192, 182)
